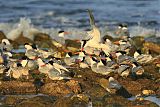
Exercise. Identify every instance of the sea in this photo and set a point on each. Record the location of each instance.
(49, 16)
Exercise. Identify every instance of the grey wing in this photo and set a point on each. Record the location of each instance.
(104, 70)
(31, 53)
(122, 68)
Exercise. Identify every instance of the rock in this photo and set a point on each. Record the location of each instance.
(16, 87)
(72, 45)
(56, 89)
(70, 101)
(60, 88)
(43, 40)
(138, 41)
(12, 100)
(74, 86)
(119, 101)
(151, 71)
(41, 37)
(97, 92)
(116, 101)
(132, 87)
(143, 103)
(21, 40)
(2, 36)
(38, 101)
(123, 92)
(155, 48)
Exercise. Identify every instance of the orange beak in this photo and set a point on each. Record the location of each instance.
(78, 41)
(116, 42)
(76, 53)
(66, 50)
(66, 33)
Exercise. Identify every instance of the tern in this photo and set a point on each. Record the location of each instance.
(6, 45)
(58, 67)
(30, 52)
(124, 70)
(136, 70)
(31, 64)
(19, 71)
(142, 58)
(94, 40)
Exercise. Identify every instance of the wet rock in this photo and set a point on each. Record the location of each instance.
(70, 102)
(74, 86)
(16, 87)
(41, 37)
(21, 40)
(138, 41)
(151, 72)
(143, 103)
(155, 48)
(39, 101)
(43, 40)
(132, 87)
(2, 36)
(60, 88)
(72, 45)
(116, 101)
(119, 101)
(123, 92)
(153, 39)
(12, 100)
(97, 92)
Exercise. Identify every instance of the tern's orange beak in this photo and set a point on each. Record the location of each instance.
(76, 53)
(116, 42)
(78, 41)
(66, 33)
(66, 50)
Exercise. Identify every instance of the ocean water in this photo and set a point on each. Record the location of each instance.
(142, 16)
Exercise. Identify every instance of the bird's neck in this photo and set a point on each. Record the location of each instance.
(61, 35)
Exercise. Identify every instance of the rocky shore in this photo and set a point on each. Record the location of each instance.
(86, 87)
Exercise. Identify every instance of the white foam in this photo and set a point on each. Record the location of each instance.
(12, 31)
(141, 31)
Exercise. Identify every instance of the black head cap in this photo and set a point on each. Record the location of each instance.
(24, 58)
(70, 53)
(34, 46)
(61, 31)
(26, 44)
(51, 62)
(122, 52)
(19, 65)
(120, 25)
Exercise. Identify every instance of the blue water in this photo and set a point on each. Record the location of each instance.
(71, 13)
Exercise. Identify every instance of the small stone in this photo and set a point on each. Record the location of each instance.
(2, 36)
(74, 86)
(148, 92)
